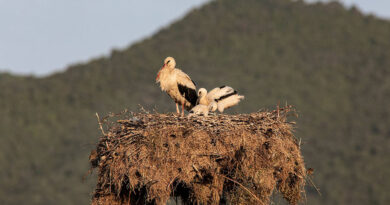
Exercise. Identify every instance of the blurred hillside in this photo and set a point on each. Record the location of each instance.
(331, 63)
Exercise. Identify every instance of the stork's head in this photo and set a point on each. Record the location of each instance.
(170, 62)
(202, 92)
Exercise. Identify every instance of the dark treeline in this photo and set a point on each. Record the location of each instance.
(332, 63)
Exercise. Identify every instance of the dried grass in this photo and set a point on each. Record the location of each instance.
(148, 158)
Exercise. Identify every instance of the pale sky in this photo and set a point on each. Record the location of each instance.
(43, 36)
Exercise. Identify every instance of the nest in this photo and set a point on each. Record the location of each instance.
(149, 158)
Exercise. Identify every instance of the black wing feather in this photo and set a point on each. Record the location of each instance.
(226, 96)
(188, 93)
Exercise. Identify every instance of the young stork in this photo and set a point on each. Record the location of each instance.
(177, 85)
(224, 96)
(203, 110)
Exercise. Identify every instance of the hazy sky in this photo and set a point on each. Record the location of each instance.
(42, 36)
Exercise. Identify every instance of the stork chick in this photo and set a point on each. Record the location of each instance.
(177, 85)
(224, 96)
(203, 110)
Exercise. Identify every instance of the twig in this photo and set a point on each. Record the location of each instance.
(197, 171)
(173, 179)
(299, 144)
(100, 124)
(312, 183)
(246, 189)
(110, 181)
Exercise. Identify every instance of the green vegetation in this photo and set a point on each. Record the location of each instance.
(333, 64)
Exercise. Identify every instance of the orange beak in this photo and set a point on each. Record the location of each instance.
(158, 74)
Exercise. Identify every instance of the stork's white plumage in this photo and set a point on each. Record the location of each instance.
(203, 110)
(200, 110)
(177, 85)
(224, 96)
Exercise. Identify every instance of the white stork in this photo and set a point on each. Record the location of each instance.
(224, 96)
(177, 85)
(203, 110)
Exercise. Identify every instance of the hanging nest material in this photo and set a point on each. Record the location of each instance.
(148, 158)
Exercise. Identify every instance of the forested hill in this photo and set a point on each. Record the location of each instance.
(332, 63)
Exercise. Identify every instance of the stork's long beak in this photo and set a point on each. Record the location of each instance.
(158, 74)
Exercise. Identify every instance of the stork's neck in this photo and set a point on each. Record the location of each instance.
(203, 100)
(170, 68)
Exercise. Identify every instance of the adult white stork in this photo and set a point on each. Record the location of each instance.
(224, 96)
(177, 85)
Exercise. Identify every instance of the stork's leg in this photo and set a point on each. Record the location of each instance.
(177, 109)
(182, 110)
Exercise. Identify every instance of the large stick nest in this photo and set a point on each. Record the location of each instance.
(148, 158)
